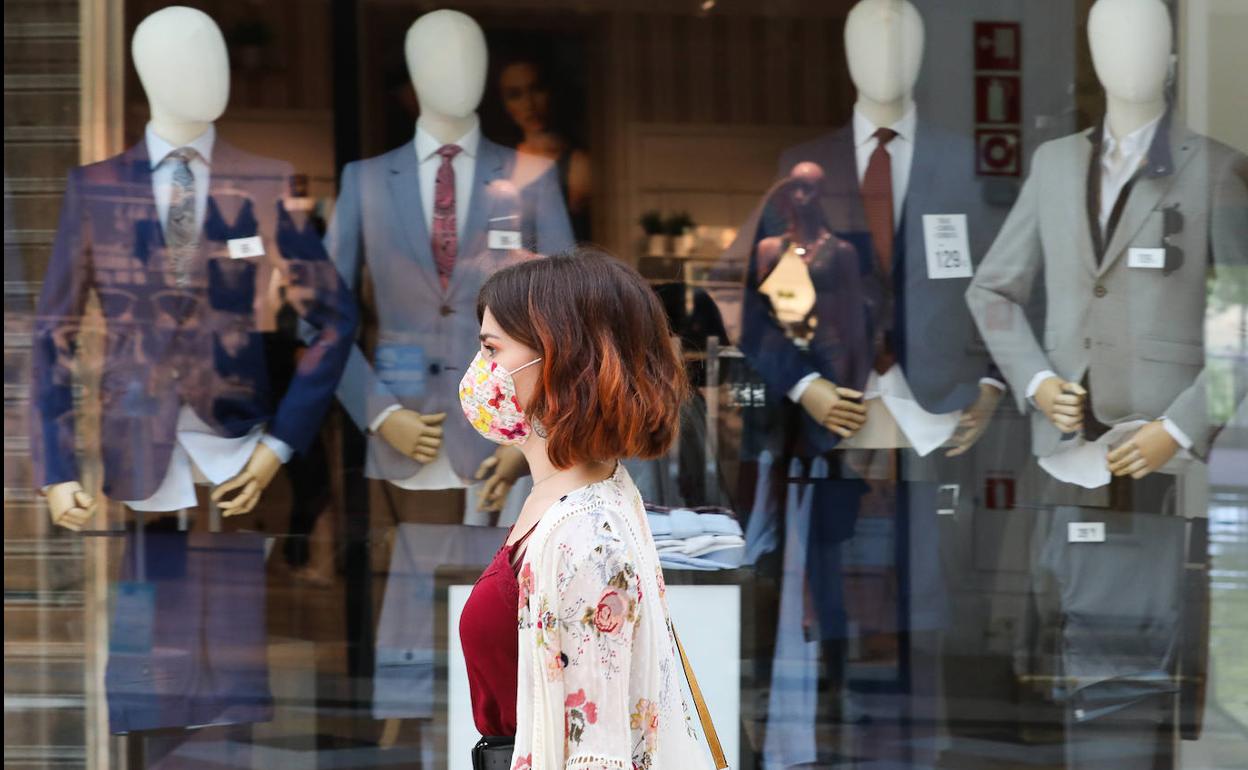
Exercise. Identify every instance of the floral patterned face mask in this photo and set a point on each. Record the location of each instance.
(487, 394)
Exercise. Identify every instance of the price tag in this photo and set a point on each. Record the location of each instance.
(948, 251)
(244, 248)
(1085, 532)
(504, 239)
(1150, 258)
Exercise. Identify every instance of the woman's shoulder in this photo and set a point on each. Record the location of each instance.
(591, 520)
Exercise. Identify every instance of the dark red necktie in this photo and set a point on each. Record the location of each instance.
(445, 237)
(877, 204)
(877, 199)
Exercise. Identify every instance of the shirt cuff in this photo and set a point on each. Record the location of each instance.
(1176, 432)
(994, 382)
(795, 392)
(1034, 384)
(279, 447)
(375, 425)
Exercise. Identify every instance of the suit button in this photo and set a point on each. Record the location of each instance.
(446, 310)
(1100, 290)
(435, 368)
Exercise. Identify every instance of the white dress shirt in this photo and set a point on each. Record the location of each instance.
(464, 163)
(913, 421)
(1120, 159)
(199, 454)
(439, 474)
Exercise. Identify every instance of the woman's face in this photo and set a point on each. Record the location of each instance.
(525, 97)
(510, 354)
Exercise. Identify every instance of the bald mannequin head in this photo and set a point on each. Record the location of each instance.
(182, 63)
(884, 49)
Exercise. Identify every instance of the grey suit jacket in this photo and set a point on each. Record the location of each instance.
(1138, 333)
(427, 336)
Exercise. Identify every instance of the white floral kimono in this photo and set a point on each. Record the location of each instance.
(599, 678)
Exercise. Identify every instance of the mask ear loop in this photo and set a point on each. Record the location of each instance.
(537, 426)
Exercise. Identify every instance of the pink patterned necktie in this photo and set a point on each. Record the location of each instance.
(445, 235)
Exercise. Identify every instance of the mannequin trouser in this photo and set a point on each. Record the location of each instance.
(1120, 626)
(188, 639)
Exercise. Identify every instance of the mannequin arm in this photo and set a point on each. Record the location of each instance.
(503, 469)
(58, 315)
(69, 505)
(1228, 242)
(330, 316)
(251, 480)
(975, 419)
(360, 391)
(1002, 285)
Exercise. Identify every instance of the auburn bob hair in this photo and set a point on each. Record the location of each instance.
(611, 382)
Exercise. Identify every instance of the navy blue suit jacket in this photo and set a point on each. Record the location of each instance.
(168, 344)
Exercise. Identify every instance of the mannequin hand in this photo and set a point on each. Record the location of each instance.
(1062, 402)
(69, 505)
(840, 410)
(419, 436)
(975, 419)
(253, 478)
(504, 467)
(1148, 449)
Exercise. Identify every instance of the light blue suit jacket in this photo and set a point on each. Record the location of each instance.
(426, 335)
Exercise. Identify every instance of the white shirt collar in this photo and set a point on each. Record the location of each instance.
(427, 145)
(864, 129)
(1134, 144)
(158, 149)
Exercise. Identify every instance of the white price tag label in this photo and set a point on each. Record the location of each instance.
(1085, 532)
(504, 239)
(948, 249)
(1150, 258)
(244, 248)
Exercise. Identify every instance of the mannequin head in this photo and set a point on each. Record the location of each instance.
(182, 63)
(884, 48)
(446, 59)
(1130, 42)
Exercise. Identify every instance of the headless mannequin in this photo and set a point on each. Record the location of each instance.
(884, 50)
(1130, 41)
(447, 61)
(182, 63)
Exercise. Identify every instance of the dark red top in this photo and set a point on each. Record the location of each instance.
(490, 639)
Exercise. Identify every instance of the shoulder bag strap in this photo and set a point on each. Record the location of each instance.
(704, 714)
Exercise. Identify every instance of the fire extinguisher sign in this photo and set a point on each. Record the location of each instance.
(998, 98)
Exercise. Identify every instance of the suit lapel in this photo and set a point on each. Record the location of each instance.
(488, 168)
(1074, 208)
(410, 211)
(1146, 193)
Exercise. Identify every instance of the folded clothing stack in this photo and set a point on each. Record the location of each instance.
(704, 538)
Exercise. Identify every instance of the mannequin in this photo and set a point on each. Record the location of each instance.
(177, 237)
(182, 63)
(447, 61)
(1130, 44)
(392, 228)
(1131, 225)
(884, 50)
(878, 414)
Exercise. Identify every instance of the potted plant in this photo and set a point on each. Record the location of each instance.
(679, 227)
(656, 240)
